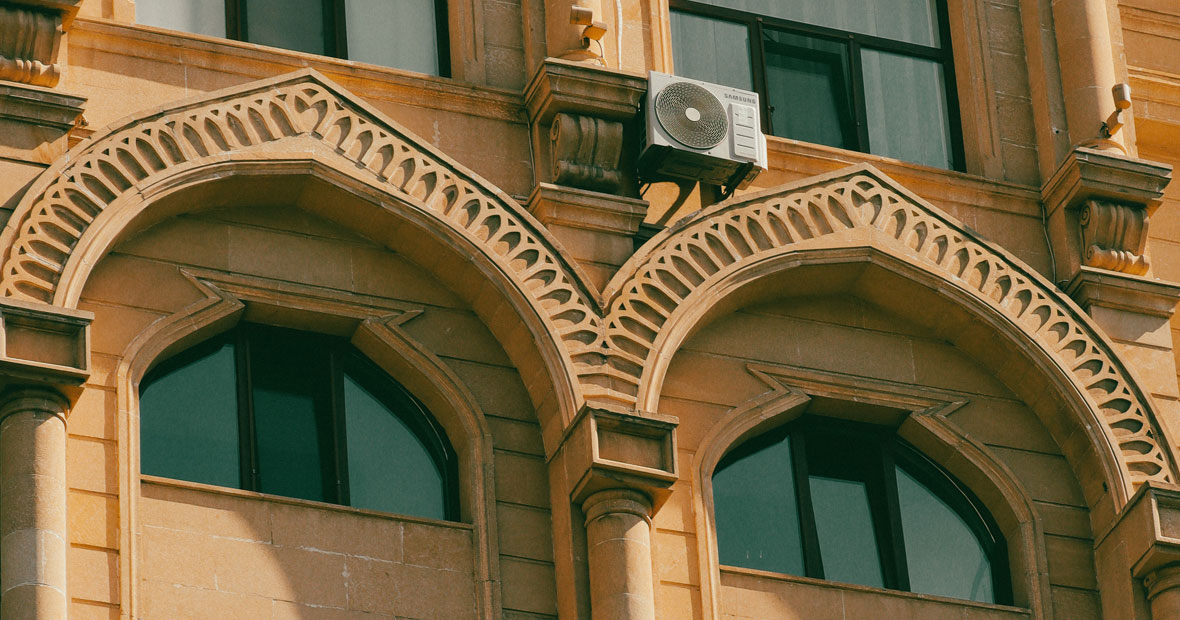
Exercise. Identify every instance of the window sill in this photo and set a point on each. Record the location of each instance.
(792, 592)
(198, 487)
(254, 61)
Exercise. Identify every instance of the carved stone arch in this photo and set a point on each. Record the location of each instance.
(665, 291)
(74, 212)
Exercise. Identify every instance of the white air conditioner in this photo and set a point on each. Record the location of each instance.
(701, 132)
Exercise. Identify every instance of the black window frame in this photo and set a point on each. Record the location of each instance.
(341, 357)
(756, 24)
(881, 446)
(336, 29)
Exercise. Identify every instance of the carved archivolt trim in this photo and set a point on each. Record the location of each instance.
(697, 253)
(55, 215)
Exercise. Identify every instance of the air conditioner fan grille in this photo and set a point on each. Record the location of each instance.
(691, 115)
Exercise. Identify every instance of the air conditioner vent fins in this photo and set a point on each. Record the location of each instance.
(691, 115)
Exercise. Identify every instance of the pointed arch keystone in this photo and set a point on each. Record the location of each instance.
(694, 258)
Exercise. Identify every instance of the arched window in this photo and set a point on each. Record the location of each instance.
(851, 502)
(406, 34)
(295, 414)
(872, 76)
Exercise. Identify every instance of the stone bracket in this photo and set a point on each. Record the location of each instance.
(30, 39)
(1118, 291)
(607, 449)
(43, 344)
(1098, 206)
(580, 116)
(1149, 528)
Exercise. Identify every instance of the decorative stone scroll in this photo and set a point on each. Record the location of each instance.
(57, 213)
(30, 37)
(687, 258)
(586, 152)
(1114, 236)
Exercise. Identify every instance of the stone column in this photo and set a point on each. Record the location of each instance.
(618, 540)
(1087, 67)
(33, 505)
(1163, 591)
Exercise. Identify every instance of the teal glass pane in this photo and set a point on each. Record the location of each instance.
(905, 99)
(711, 50)
(393, 33)
(808, 87)
(291, 391)
(844, 524)
(196, 16)
(756, 513)
(389, 468)
(289, 24)
(188, 420)
(943, 554)
(913, 21)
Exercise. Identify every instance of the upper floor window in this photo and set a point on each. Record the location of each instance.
(851, 502)
(875, 77)
(406, 34)
(295, 414)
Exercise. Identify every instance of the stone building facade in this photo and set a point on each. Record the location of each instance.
(595, 349)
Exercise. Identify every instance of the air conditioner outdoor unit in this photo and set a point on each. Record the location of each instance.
(701, 132)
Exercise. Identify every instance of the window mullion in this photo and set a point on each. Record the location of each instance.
(758, 71)
(247, 439)
(335, 27)
(235, 19)
(812, 559)
(895, 545)
(859, 105)
(339, 428)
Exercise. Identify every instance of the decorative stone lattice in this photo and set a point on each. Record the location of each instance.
(700, 251)
(49, 223)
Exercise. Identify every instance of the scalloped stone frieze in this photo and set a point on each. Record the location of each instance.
(698, 252)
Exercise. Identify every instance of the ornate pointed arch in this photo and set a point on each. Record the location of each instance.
(69, 217)
(688, 265)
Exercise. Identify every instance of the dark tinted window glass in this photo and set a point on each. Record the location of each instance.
(394, 33)
(290, 24)
(844, 525)
(943, 553)
(388, 466)
(906, 105)
(292, 414)
(188, 418)
(711, 50)
(914, 21)
(808, 84)
(756, 511)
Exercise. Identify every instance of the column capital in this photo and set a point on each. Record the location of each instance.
(33, 399)
(615, 501)
(628, 453)
(43, 345)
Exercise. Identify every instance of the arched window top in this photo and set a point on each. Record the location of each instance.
(851, 502)
(295, 414)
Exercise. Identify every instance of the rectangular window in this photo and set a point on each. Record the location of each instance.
(404, 34)
(875, 77)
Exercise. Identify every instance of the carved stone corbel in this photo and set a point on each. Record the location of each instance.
(586, 152)
(1114, 236)
(30, 38)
